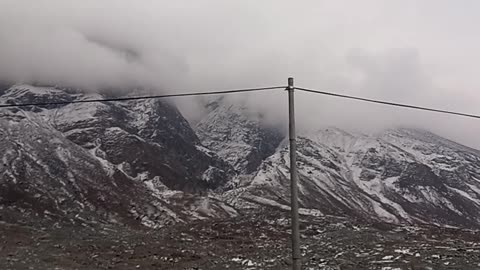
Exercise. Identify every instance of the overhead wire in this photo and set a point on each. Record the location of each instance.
(221, 92)
(233, 91)
(387, 103)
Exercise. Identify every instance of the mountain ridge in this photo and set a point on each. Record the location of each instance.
(372, 176)
(141, 162)
(147, 148)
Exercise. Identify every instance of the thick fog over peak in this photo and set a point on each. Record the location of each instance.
(419, 52)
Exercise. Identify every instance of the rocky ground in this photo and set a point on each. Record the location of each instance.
(248, 242)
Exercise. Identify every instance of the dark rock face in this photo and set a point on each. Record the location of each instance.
(419, 175)
(149, 137)
(106, 162)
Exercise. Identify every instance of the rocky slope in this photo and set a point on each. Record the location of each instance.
(127, 162)
(400, 176)
(140, 162)
(254, 242)
(238, 135)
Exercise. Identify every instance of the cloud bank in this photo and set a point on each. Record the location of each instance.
(409, 51)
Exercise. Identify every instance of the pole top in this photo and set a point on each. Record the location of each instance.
(290, 83)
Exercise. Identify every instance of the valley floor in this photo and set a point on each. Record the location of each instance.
(249, 242)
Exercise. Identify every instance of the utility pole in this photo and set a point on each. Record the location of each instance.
(296, 263)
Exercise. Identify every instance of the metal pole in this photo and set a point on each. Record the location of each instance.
(296, 263)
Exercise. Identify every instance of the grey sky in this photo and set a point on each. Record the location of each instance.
(422, 52)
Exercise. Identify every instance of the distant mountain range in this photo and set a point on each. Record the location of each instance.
(140, 162)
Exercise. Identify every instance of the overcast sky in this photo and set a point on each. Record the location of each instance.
(421, 52)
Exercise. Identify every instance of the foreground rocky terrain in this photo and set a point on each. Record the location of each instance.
(240, 243)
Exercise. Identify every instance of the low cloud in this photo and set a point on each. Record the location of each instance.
(403, 51)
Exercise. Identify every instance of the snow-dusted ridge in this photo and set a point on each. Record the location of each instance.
(399, 176)
(128, 162)
(237, 135)
(140, 162)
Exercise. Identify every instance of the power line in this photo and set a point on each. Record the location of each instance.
(388, 103)
(222, 92)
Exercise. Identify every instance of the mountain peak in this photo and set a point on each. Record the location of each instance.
(237, 135)
(399, 175)
(104, 158)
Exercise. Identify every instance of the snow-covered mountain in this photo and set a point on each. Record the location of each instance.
(399, 176)
(122, 162)
(140, 162)
(237, 135)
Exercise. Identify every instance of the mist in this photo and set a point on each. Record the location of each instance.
(423, 53)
